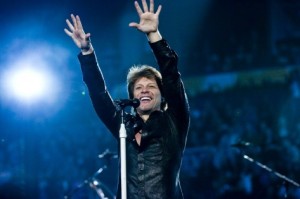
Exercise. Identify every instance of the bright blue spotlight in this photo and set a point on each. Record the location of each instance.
(29, 82)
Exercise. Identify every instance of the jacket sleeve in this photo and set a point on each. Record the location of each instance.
(173, 88)
(100, 97)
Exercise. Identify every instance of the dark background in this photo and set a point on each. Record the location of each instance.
(239, 60)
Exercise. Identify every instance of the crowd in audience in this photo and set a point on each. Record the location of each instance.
(261, 123)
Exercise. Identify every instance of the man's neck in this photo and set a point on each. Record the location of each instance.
(144, 116)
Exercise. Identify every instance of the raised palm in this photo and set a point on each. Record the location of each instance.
(148, 19)
(76, 32)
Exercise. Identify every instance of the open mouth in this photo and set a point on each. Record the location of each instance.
(145, 99)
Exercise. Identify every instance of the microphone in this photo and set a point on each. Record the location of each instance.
(127, 102)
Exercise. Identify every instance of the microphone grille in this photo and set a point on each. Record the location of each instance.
(136, 102)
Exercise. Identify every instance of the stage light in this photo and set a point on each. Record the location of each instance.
(29, 81)
(28, 84)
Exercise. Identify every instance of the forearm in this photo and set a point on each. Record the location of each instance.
(174, 91)
(100, 97)
(166, 58)
(91, 72)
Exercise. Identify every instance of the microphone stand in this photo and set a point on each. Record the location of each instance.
(242, 145)
(281, 176)
(122, 136)
(120, 106)
(92, 181)
(87, 181)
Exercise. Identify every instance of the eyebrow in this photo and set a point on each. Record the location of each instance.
(152, 83)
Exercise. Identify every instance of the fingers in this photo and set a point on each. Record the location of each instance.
(70, 25)
(68, 32)
(140, 11)
(88, 37)
(138, 8)
(74, 26)
(133, 24)
(151, 6)
(145, 6)
(79, 24)
(74, 21)
(158, 10)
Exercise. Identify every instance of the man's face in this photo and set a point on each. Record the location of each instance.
(147, 91)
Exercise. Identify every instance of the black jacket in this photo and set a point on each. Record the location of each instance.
(153, 167)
